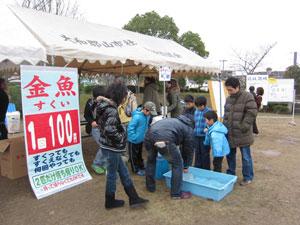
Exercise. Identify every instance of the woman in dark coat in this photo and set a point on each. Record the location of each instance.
(113, 139)
(258, 100)
(151, 93)
(173, 98)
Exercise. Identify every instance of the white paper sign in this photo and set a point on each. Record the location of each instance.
(165, 73)
(281, 90)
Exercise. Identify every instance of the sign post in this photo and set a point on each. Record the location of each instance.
(50, 101)
(220, 96)
(217, 93)
(164, 75)
(294, 104)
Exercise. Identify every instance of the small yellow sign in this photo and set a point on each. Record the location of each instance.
(272, 81)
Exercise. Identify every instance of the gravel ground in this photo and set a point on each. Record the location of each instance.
(273, 198)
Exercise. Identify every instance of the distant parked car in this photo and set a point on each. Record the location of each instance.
(204, 86)
(191, 85)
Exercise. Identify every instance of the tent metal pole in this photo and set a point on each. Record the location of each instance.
(138, 79)
(137, 86)
(220, 89)
(164, 101)
(52, 60)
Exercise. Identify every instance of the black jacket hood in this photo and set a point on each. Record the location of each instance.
(184, 119)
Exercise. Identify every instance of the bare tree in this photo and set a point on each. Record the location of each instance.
(249, 61)
(68, 8)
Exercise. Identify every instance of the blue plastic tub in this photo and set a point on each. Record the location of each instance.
(205, 183)
(162, 166)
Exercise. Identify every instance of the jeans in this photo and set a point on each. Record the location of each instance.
(171, 153)
(99, 159)
(247, 164)
(202, 156)
(135, 156)
(114, 165)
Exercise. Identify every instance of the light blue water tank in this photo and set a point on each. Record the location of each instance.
(162, 167)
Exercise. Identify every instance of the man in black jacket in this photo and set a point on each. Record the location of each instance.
(164, 137)
(3, 108)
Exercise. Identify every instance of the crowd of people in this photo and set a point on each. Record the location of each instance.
(188, 137)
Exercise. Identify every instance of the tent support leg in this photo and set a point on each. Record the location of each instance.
(52, 60)
(164, 101)
(220, 89)
(138, 79)
(137, 85)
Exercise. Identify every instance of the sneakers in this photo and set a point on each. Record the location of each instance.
(183, 195)
(245, 182)
(141, 173)
(98, 169)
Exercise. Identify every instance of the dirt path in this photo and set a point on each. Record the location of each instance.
(274, 197)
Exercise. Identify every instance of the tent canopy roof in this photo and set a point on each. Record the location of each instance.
(16, 42)
(101, 49)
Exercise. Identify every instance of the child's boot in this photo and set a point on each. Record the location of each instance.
(111, 202)
(134, 199)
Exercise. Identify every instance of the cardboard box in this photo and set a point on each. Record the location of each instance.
(13, 158)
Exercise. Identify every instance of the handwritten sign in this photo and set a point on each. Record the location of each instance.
(52, 129)
(281, 90)
(165, 73)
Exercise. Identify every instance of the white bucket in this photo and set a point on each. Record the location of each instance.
(13, 122)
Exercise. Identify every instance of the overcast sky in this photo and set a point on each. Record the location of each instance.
(244, 25)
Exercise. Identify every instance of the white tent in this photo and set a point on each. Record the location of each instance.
(97, 48)
(17, 43)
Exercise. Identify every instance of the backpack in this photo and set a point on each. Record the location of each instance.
(131, 104)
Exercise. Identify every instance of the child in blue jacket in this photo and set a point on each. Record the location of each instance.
(136, 131)
(215, 137)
